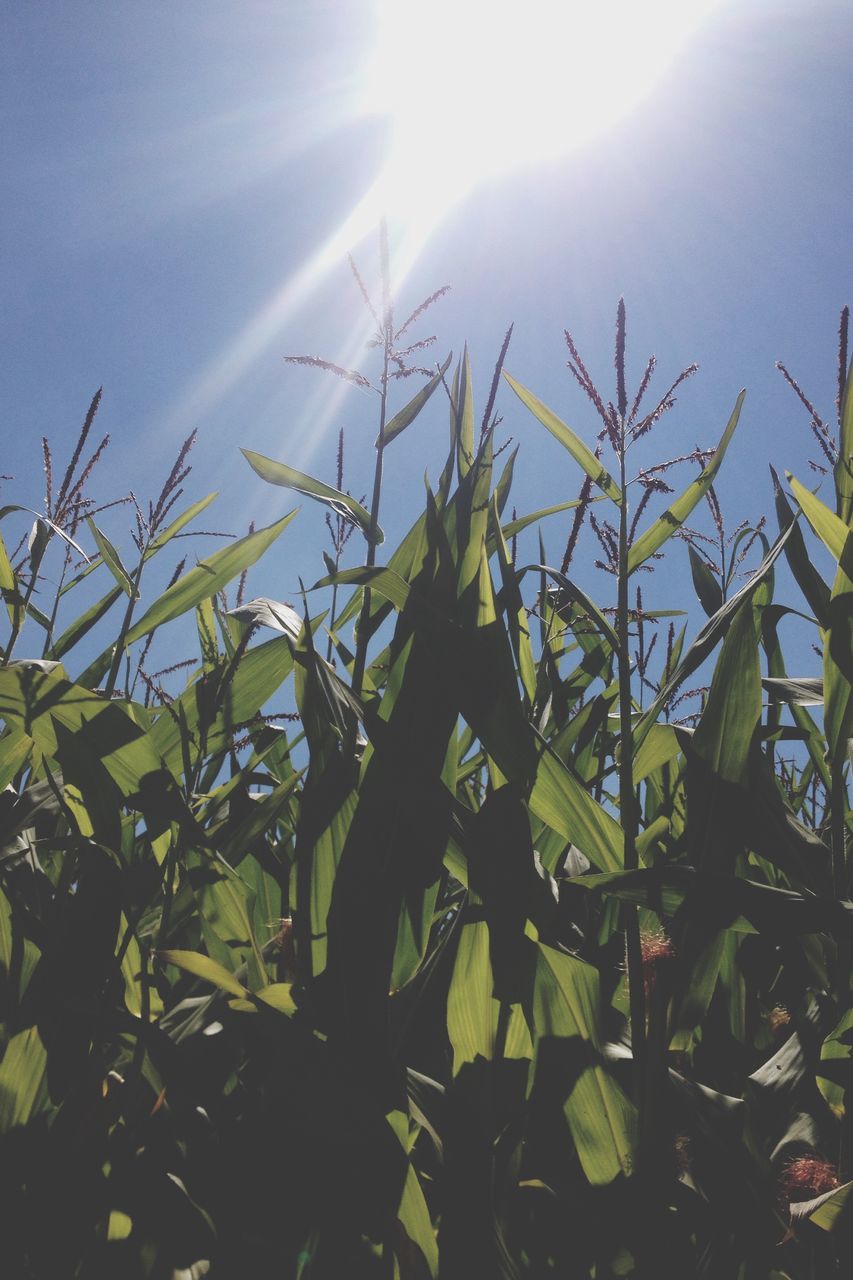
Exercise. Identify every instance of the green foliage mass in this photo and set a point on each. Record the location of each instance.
(475, 960)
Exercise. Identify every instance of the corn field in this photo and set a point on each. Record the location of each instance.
(432, 924)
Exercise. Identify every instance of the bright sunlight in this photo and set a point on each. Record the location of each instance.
(476, 87)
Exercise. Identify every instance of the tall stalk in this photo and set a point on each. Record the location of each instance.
(627, 802)
(360, 660)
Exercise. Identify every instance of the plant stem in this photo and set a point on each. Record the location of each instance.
(627, 805)
(125, 626)
(388, 336)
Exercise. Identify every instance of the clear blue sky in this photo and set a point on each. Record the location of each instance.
(170, 168)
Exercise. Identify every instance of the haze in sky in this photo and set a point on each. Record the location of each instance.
(183, 182)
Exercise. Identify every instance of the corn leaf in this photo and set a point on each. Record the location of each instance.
(567, 438)
(289, 478)
(675, 515)
(407, 415)
(207, 578)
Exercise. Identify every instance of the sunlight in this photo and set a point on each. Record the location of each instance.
(476, 87)
(230, 365)
(472, 89)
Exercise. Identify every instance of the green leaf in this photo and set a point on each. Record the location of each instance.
(111, 558)
(462, 413)
(260, 672)
(388, 583)
(39, 698)
(567, 438)
(407, 415)
(708, 637)
(8, 582)
(207, 578)
(673, 518)
(603, 1122)
(838, 659)
(278, 995)
(23, 1079)
(119, 1225)
(706, 585)
(82, 625)
(180, 522)
(413, 1216)
(15, 750)
(559, 799)
(44, 524)
(805, 691)
(829, 528)
(573, 593)
(289, 478)
(807, 577)
(203, 967)
(824, 1211)
(473, 1013)
(659, 746)
(733, 709)
(516, 526)
(844, 465)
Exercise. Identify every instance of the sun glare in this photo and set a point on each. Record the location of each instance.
(476, 87)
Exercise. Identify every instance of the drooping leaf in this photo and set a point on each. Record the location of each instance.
(289, 478)
(263, 612)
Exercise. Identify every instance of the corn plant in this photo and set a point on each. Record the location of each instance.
(472, 944)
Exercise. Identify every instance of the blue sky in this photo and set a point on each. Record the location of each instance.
(169, 171)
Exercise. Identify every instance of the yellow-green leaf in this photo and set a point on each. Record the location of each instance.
(829, 528)
(203, 967)
(208, 577)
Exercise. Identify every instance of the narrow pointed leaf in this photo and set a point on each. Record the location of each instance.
(675, 515)
(208, 577)
(806, 575)
(516, 526)
(289, 478)
(407, 415)
(111, 558)
(80, 626)
(201, 966)
(180, 522)
(706, 585)
(567, 438)
(831, 530)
